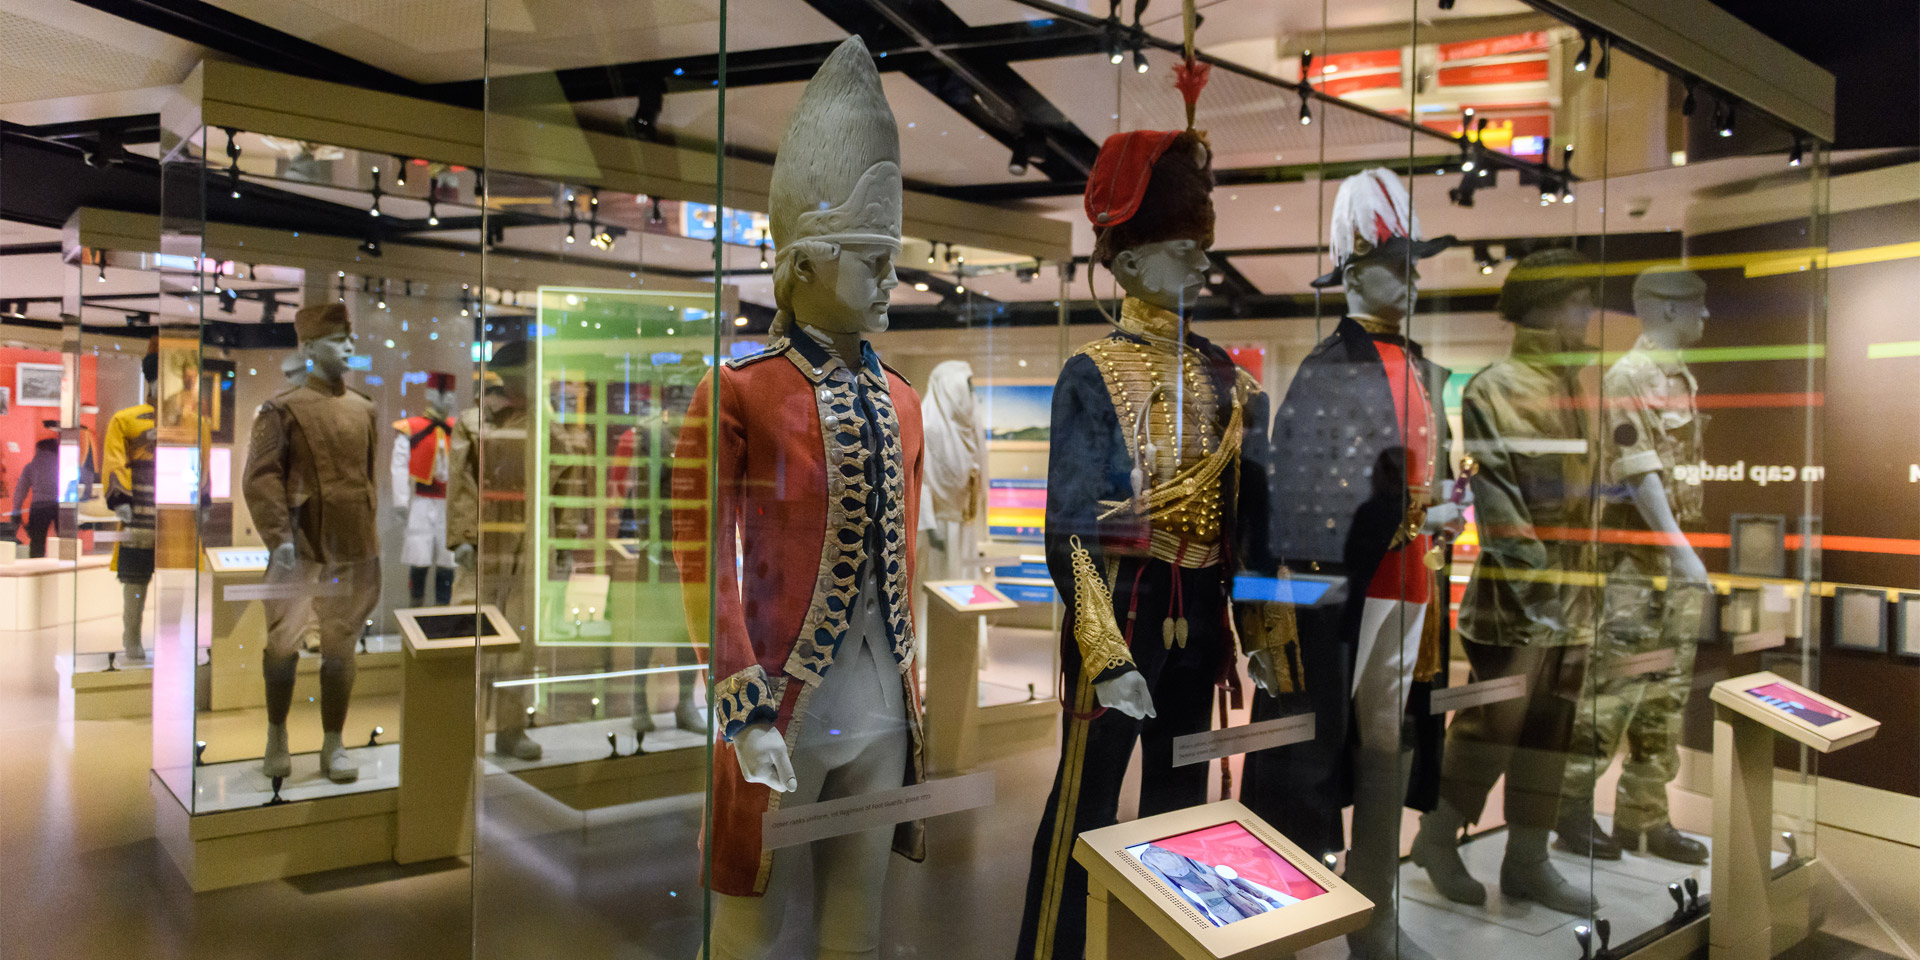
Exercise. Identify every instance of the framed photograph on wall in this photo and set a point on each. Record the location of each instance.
(37, 384)
(1906, 625)
(1859, 619)
(1759, 545)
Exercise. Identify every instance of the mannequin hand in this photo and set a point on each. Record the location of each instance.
(124, 512)
(463, 556)
(1688, 568)
(1128, 694)
(400, 512)
(935, 539)
(1260, 668)
(284, 557)
(762, 753)
(1451, 517)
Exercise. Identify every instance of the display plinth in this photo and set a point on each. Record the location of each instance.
(437, 746)
(235, 847)
(956, 612)
(1208, 883)
(117, 694)
(240, 633)
(1749, 712)
(35, 594)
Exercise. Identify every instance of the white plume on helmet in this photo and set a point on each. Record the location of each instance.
(1371, 210)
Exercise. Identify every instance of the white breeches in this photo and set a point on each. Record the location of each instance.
(1383, 670)
(426, 540)
(853, 740)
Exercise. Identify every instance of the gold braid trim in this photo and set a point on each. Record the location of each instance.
(1429, 662)
(1270, 631)
(1102, 646)
(1194, 480)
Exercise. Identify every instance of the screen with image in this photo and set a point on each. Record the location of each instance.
(1790, 701)
(176, 475)
(1226, 873)
(968, 594)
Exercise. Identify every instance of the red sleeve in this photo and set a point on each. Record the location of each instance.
(742, 693)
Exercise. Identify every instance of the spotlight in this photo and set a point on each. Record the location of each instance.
(229, 298)
(921, 286)
(1116, 49)
(764, 250)
(1605, 66)
(373, 209)
(1306, 86)
(593, 196)
(647, 104)
(370, 246)
(1483, 255)
(1306, 115)
(1585, 59)
(1794, 158)
(101, 277)
(269, 309)
(400, 171)
(1140, 64)
(959, 288)
(433, 212)
(1726, 126)
(933, 250)
(739, 321)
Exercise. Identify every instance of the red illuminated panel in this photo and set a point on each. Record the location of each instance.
(1529, 42)
(1343, 73)
(1481, 74)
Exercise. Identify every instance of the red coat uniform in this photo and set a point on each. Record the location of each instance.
(792, 454)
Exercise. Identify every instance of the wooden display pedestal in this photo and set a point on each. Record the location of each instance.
(439, 740)
(235, 847)
(36, 594)
(119, 694)
(956, 614)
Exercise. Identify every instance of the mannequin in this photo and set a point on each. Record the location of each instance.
(128, 456)
(1362, 507)
(493, 542)
(310, 488)
(419, 469)
(1654, 426)
(818, 458)
(1150, 428)
(1528, 609)
(950, 499)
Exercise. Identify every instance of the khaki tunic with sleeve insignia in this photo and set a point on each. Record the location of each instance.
(310, 473)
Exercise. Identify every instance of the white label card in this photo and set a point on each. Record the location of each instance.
(1755, 642)
(1640, 664)
(1214, 744)
(1479, 694)
(1774, 599)
(284, 591)
(109, 536)
(790, 826)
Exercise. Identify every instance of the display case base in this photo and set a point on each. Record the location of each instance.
(235, 672)
(43, 593)
(1015, 728)
(579, 771)
(227, 849)
(118, 694)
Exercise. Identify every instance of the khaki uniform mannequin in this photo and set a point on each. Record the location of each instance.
(310, 488)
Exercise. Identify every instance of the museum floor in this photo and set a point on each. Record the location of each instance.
(81, 875)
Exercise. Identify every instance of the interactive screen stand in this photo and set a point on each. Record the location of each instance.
(955, 610)
(1208, 883)
(1748, 712)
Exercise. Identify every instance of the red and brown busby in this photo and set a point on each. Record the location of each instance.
(1148, 186)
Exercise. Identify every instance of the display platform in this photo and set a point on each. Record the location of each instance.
(577, 766)
(1208, 883)
(43, 592)
(239, 784)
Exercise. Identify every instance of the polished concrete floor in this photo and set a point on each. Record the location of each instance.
(81, 875)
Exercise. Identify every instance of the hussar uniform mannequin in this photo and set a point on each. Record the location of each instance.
(1153, 427)
(311, 490)
(1362, 506)
(817, 448)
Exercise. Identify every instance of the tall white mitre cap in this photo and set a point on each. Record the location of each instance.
(1372, 212)
(837, 175)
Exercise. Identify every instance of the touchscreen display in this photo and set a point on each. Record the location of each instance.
(1226, 873)
(1789, 701)
(968, 594)
(447, 626)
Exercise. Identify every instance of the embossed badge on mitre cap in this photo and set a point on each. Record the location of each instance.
(837, 174)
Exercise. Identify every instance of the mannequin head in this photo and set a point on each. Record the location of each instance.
(1165, 273)
(294, 368)
(439, 394)
(1150, 199)
(1672, 306)
(326, 340)
(1383, 287)
(1553, 291)
(506, 378)
(327, 356)
(840, 288)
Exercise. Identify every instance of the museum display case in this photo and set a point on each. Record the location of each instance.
(953, 430)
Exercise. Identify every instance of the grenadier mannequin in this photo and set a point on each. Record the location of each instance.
(420, 465)
(1654, 427)
(817, 449)
(311, 491)
(1362, 442)
(1150, 426)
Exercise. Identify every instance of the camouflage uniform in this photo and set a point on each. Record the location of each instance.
(1653, 427)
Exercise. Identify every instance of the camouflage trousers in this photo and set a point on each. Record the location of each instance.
(1635, 691)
